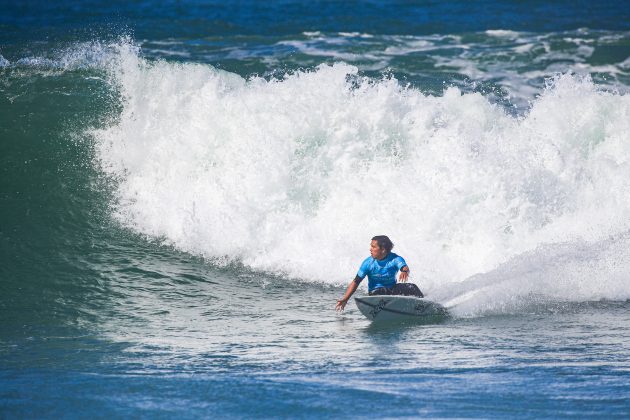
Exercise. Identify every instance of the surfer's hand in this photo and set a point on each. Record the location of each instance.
(341, 304)
(404, 275)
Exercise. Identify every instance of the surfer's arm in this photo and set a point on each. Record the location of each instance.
(352, 287)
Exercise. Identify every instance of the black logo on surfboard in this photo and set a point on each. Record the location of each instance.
(378, 308)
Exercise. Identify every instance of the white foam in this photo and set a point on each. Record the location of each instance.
(523, 48)
(410, 47)
(167, 53)
(355, 35)
(294, 176)
(502, 33)
(314, 49)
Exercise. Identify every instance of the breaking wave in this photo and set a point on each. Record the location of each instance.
(293, 175)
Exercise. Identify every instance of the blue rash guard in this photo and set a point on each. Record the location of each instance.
(381, 273)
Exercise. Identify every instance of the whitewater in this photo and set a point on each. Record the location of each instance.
(282, 174)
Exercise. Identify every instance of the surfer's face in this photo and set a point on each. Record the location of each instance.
(376, 251)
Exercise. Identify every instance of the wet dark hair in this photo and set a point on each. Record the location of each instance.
(383, 242)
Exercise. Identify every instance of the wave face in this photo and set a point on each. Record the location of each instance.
(295, 174)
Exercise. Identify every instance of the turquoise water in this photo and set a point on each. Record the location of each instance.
(187, 188)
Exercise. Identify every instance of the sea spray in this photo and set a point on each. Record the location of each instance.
(293, 175)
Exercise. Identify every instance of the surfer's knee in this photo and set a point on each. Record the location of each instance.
(380, 291)
(407, 289)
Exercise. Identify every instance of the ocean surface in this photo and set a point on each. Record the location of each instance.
(186, 188)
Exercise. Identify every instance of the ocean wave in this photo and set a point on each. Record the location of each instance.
(294, 175)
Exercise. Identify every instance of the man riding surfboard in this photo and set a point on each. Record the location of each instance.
(381, 268)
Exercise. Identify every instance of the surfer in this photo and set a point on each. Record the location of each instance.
(381, 268)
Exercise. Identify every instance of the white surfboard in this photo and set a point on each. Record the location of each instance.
(392, 307)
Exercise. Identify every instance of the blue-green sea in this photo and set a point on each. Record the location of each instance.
(187, 187)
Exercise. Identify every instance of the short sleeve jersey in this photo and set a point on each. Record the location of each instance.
(381, 273)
